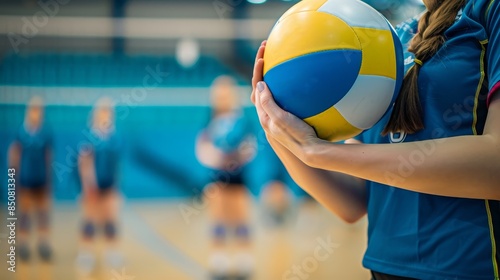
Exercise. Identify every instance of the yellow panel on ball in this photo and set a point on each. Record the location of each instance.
(378, 52)
(331, 125)
(319, 32)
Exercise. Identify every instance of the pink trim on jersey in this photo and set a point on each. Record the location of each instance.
(494, 89)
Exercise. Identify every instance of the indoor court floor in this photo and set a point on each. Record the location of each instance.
(158, 242)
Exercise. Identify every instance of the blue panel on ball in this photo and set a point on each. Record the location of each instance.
(307, 85)
(400, 69)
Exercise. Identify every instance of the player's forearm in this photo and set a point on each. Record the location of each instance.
(14, 155)
(465, 166)
(48, 160)
(87, 176)
(340, 193)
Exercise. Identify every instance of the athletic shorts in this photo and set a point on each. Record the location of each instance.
(231, 178)
(33, 185)
(105, 185)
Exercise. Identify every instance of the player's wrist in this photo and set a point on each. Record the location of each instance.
(313, 152)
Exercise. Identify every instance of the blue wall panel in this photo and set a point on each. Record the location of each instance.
(157, 159)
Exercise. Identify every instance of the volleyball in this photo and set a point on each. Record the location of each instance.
(336, 64)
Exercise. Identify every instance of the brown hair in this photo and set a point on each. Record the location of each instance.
(407, 112)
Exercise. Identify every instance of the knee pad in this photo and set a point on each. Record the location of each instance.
(24, 222)
(242, 232)
(43, 219)
(219, 231)
(110, 229)
(88, 229)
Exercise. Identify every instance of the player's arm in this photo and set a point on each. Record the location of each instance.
(86, 169)
(464, 166)
(341, 194)
(14, 155)
(118, 146)
(48, 159)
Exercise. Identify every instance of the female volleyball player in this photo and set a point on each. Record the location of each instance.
(30, 155)
(275, 194)
(432, 168)
(224, 147)
(98, 164)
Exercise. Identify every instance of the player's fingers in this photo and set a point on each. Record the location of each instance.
(269, 106)
(259, 65)
(260, 51)
(263, 117)
(280, 121)
(258, 68)
(257, 72)
(257, 76)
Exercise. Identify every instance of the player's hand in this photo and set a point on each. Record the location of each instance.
(282, 129)
(287, 129)
(90, 192)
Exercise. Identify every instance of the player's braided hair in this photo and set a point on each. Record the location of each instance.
(440, 15)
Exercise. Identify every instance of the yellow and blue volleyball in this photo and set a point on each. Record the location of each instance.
(336, 64)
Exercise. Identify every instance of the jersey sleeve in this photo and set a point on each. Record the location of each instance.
(492, 16)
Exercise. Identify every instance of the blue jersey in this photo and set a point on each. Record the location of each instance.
(222, 147)
(426, 236)
(34, 151)
(228, 131)
(106, 151)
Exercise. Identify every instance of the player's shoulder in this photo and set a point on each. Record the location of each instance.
(483, 11)
(491, 11)
(236, 117)
(482, 7)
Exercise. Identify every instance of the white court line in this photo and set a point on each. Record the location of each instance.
(157, 244)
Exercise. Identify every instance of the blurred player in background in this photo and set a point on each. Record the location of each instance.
(98, 164)
(30, 154)
(281, 197)
(275, 192)
(225, 146)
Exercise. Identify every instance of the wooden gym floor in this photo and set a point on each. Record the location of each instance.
(159, 243)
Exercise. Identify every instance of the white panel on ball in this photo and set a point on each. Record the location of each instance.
(368, 96)
(355, 13)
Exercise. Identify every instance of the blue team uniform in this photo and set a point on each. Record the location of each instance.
(106, 151)
(34, 149)
(425, 236)
(227, 132)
